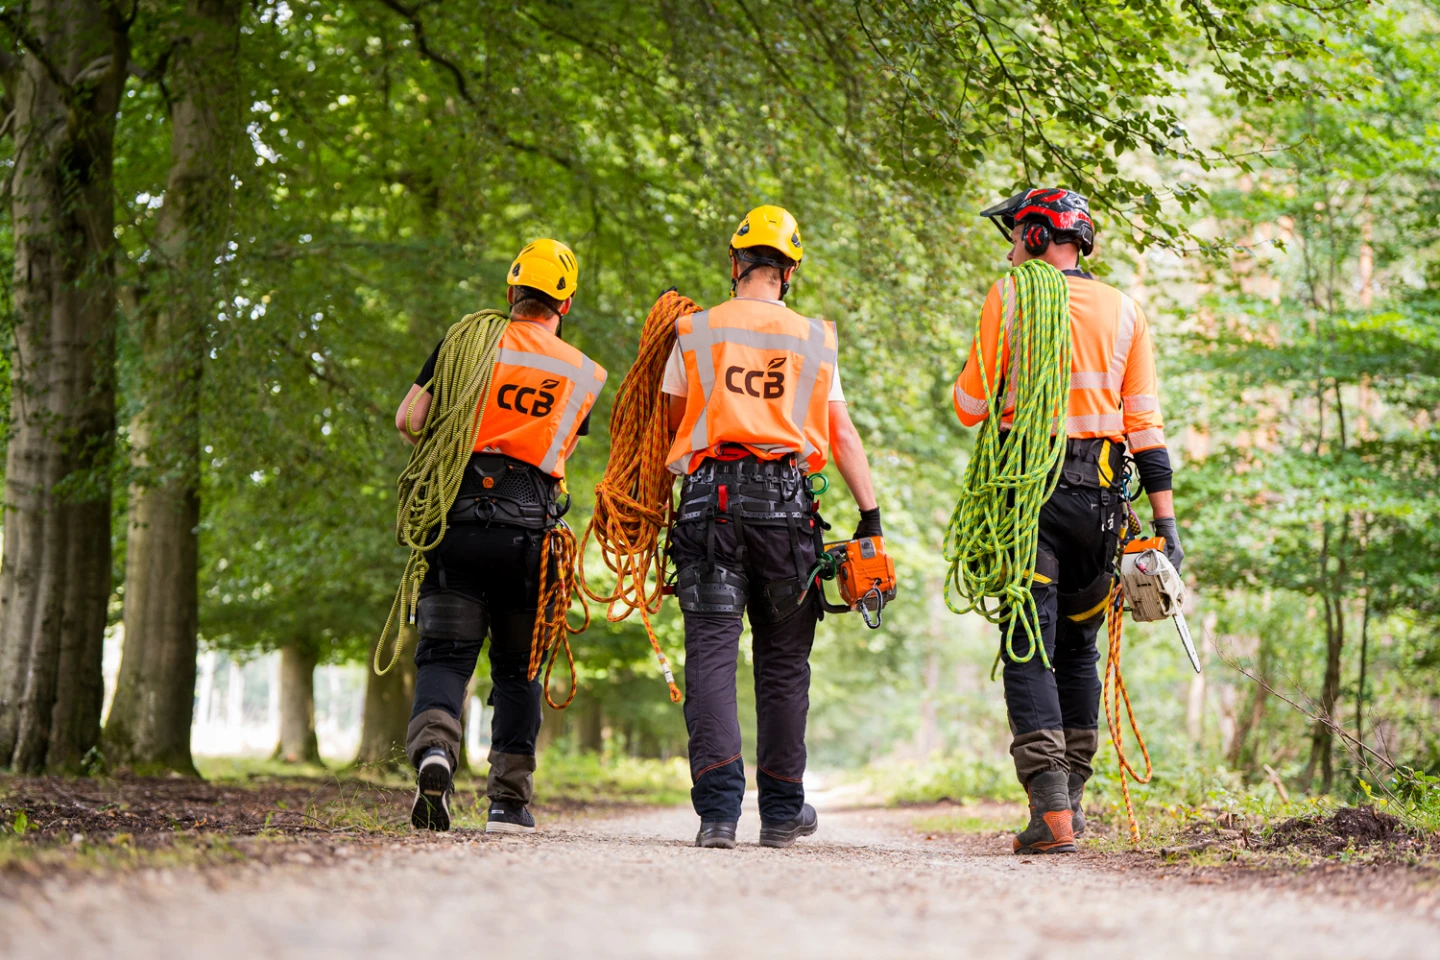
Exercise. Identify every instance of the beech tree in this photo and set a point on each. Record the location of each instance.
(64, 68)
(179, 285)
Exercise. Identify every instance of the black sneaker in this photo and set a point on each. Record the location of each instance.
(784, 834)
(716, 833)
(431, 810)
(509, 817)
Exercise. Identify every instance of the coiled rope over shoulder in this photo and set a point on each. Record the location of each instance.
(428, 485)
(633, 499)
(993, 535)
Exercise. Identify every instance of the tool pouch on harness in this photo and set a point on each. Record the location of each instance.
(507, 492)
(716, 592)
(1095, 463)
(775, 601)
(1088, 604)
(451, 616)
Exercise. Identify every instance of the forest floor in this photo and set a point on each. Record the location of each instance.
(285, 868)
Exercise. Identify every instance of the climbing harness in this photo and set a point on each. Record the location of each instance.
(993, 535)
(464, 366)
(552, 622)
(633, 499)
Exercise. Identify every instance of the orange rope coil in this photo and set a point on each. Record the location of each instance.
(633, 499)
(1114, 679)
(552, 621)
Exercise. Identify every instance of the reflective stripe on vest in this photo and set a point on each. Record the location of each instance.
(812, 349)
(587, 382)
(1106, 382)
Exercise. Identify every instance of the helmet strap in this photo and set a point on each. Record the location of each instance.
(755, 262)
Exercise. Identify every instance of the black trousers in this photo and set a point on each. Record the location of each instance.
(1054, 715)
(782, 676)
(498, 566)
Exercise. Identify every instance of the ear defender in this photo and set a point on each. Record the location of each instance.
(1036, 238)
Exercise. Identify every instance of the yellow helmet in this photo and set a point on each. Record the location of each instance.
(548, 266)
(769, 226)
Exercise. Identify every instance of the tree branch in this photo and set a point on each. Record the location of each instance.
(412, 16)
(12, 19)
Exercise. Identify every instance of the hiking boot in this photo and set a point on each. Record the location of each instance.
(1077, 812)
(1050, 829)
(506, 816)
(431, 810)
(716, 833)
(784, 834)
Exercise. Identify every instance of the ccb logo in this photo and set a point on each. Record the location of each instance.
(740, 380)
(528, 400)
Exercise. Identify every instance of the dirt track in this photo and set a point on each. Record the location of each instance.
(866, 887)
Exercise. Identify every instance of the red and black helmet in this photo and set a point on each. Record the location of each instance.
(1065, 212)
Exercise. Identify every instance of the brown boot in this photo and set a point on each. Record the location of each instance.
(1077, 795)
(1050, 829)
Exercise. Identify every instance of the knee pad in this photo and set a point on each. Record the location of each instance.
(716, 593)
(451, 616)
(775, 600)
(1088, 604)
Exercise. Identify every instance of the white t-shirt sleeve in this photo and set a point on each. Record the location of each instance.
(677, 382)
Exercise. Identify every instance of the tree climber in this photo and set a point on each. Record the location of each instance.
(484, 574)
(756, 403)
(1114, 403)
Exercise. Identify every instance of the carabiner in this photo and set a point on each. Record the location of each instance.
(879, 606)
(824, 484)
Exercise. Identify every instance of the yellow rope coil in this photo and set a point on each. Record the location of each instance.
(993, 534)
(429, 483)
(633, 499)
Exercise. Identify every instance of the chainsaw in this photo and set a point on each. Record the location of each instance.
(864, 573)
(1154, 588)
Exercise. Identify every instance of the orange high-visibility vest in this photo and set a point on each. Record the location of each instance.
(759, 376)
(541, 391)
(1114, 392)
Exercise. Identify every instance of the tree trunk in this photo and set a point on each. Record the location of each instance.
(592, 725)
(55, 578)
(149, 724)
(1242, 749)
(387, 709)
(298, 743)
(1322, 739)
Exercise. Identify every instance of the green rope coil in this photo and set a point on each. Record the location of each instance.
(993, 535)
(430, 481)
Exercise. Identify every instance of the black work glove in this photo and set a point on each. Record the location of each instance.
(1175, 553)
(869, 525)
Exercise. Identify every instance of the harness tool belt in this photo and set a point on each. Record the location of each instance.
(747, 491)
(507, 492)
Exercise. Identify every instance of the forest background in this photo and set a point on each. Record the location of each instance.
(237, 229)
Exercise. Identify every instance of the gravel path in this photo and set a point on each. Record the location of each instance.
(632, 887)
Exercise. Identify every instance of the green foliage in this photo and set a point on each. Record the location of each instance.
(590, 779)
(957, 780)
(397, 156)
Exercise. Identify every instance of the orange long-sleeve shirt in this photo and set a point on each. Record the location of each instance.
(1114, 392)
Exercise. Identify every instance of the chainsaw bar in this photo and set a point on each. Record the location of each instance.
(1184, 629)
